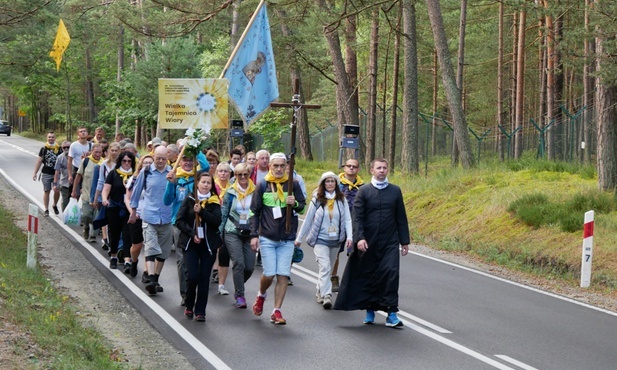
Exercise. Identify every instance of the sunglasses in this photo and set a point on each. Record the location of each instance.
(66, 147)
(127, 161)
(242, 175)
(351, 166)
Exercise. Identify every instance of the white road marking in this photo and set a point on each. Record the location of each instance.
(517, 284)
(305, 272)
(522, 365)
(204, 351)
(20, 148)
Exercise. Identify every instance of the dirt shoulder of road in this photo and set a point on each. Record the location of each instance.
(134, 341)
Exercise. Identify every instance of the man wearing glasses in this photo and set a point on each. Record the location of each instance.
(47, 158)
(349, 185)
(61, 175)
(155, 215)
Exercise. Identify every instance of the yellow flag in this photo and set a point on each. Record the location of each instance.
(60, 45)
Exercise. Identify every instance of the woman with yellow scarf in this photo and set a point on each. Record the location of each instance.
(199, 241)
(236, 232)
(222, 183)
(327, 224)
(117, 214)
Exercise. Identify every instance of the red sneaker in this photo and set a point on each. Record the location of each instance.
(277, 318)
(258, 306)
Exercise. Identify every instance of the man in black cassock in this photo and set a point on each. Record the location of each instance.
(380, 226)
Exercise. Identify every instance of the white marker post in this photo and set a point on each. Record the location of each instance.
(587, 250)
(33, 234)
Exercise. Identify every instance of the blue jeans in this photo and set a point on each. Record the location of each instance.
(276, 256)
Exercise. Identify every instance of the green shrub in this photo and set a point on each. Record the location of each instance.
(537, 210)
(530, 199)
(596, 201)
(537, 215)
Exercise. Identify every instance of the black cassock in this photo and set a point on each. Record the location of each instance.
(371, 278)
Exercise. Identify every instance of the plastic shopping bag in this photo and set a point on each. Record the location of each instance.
(72, 213)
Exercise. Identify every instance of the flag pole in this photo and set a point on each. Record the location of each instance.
(248, 26)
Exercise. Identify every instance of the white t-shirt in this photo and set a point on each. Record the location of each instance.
(77, 151)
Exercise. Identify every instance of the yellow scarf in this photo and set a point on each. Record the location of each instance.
(222, 190)
(95, 161)
(54, 147)
(351, 185)
(212, 199)
(250, 189)
(330, 204)
(125, 175)
(182, 173)
(279, 184)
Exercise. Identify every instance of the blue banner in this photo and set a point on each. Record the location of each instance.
(252, 73)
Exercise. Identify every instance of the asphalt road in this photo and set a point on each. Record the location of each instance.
(455, 317)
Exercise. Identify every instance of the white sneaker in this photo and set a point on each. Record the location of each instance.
(327, 302)
(222, 290)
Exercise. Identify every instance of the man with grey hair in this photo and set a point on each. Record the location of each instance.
(269, 234)
(262, 167)
(130, 147)
(172, 154)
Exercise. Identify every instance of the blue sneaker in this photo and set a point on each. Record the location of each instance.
(370, 317)
(393, 321)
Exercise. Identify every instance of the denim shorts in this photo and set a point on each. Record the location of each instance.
(276, 256)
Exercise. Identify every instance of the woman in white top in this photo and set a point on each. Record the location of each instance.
(327, 224)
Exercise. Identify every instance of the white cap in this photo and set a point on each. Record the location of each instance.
(328, 175)
(278, 156)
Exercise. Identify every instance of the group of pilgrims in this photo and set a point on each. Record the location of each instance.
(218, 214)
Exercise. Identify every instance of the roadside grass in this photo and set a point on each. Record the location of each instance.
(29, 300)
(526, 215)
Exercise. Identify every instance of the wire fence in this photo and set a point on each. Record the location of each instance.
(435, 136)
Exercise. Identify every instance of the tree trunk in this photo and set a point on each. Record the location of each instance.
(344, 91)
(559, 84)
(351, 66)
(384, 103)
(435, 101)
(461, 46)
(520, 85)
(372, 95)
(409, 155)
(606, 113)
(587, 89)
(395, 72)
(452, 92)
(120, 69)
(550, 84)
(235, 15)
(511, 112)
(304, 137)
(90, 87)
(500, 111)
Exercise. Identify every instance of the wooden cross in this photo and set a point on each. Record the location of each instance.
(296, 105)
